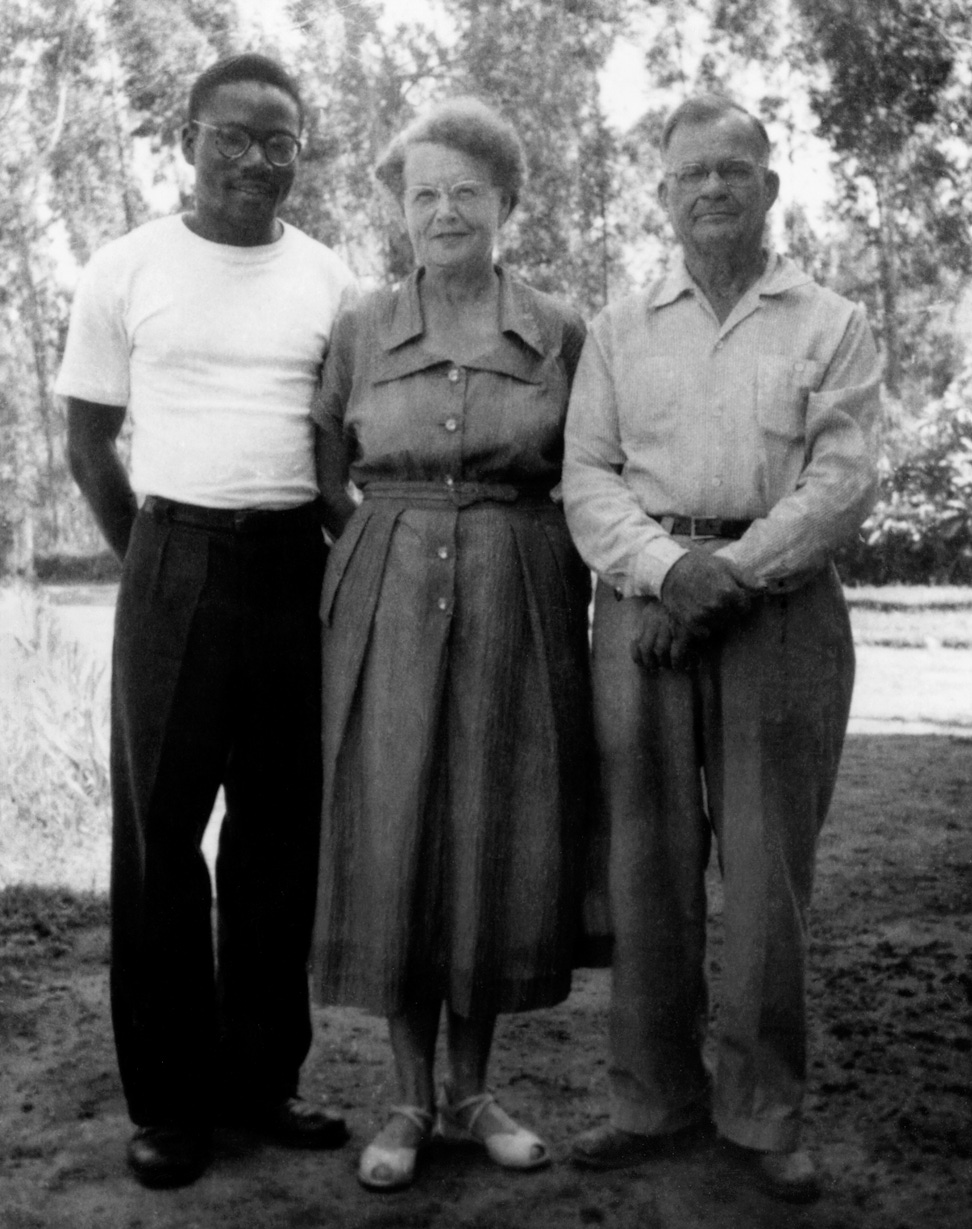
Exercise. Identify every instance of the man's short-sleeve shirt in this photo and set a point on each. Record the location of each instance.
(216, 351)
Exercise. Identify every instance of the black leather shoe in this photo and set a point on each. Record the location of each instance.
(609, 1147)
(298, 1124)
(790, 1176)
(168, 1156)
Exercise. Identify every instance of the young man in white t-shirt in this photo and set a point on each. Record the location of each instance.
(209, 330)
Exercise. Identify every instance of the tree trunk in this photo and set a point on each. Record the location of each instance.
(34, 318)
(888, 280)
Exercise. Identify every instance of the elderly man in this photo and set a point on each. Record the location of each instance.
(209, 330)
(719, 449)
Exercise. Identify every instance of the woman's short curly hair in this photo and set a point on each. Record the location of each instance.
(467, 125)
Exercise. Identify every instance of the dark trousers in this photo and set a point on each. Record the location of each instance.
(745, 746)
(215, 681)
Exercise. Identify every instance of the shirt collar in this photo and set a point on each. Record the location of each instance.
(780, 275)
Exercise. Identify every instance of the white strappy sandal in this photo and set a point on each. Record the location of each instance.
(480, 1119)
(384, 1168)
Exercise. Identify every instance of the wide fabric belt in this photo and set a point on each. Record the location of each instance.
(702, 526)
(458, 494)
(236, 520)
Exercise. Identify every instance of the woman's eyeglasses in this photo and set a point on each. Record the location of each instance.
(424, 198)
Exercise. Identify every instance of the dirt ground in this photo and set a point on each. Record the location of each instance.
(889, 1115)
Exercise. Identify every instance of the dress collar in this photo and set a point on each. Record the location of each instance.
(401, 327)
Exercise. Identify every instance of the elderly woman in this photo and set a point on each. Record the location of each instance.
(456, 744)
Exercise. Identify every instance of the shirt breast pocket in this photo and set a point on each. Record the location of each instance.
(783, 387)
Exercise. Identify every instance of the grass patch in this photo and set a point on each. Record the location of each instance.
(47, 914)
(54, 678)
(912, 616)
(948, 627)
(909, 597)
(54, 790)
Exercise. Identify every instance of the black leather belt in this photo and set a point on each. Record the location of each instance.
(236, 520)
(702, 526)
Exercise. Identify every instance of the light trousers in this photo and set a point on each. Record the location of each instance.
(744, 746)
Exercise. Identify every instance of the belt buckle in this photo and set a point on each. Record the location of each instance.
(693, 533)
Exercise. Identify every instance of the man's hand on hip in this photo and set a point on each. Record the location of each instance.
(661, 643)
(702, 592)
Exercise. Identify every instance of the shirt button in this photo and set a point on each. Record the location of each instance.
(443, 552)
(451, 424)
(717, 482)
(442, 603)
(450, 481)
(453, 375)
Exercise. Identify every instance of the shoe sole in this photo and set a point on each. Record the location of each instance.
(162, 1182)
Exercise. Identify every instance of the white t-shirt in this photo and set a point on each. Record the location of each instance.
(216, 351)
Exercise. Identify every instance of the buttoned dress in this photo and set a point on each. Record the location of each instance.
(457, 742)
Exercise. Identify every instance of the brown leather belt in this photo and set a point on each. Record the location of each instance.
(702, 526)
(236, 520)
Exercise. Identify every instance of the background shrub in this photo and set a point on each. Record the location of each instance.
(920, 531)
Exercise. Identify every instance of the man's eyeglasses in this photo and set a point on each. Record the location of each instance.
(424, 198)
(734, 173)
(233, 140)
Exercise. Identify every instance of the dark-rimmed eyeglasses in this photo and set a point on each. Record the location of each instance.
(734, 173)
(233, 140)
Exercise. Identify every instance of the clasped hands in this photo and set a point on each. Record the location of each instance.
(701, 594)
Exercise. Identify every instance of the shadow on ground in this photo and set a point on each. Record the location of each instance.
(889, 1116)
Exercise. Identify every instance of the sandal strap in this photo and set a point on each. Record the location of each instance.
(418, 1117)
(474, 1106)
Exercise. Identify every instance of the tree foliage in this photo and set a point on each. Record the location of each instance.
(80, 84)
(59, 175)
(539, 62)
(91, 103)
(889, 101)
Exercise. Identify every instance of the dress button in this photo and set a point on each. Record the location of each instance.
(454, 375)
(450, 481)
(443, 552)
(717, 482)
(443, 603)
(451, 424)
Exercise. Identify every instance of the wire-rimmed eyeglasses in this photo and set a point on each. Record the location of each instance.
(734, 173)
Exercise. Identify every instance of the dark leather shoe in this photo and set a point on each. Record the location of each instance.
(609, 1147)
(168, 1156)
(790, 1176)
(298, 1124)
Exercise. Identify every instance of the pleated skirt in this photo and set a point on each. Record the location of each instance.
(459, 769)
